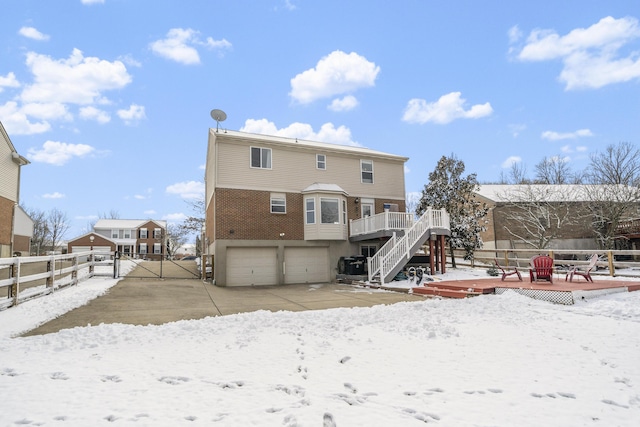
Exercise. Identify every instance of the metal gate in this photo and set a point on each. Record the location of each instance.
(163, 269)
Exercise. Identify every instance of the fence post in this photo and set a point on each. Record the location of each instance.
(116, 264)
(74, 272)
(91, 263)
(51, 268)
(612, 269)
(15, 288)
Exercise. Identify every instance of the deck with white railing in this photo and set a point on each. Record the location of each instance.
(382, 222)
(398, 250)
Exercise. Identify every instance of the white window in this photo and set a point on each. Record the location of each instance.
(143, 248)
(366, 171)
(157, 248)
(261, 158)
(278, 203)
(157, 233)
(114, 234)
(310, 208)
(344, 211)
(329, 211)
(321, 161)
(144, 233)
(127, 234)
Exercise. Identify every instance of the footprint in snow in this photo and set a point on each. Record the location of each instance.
(328, 420)
(495, 390)
(112, 378)
(567, 395)
(173, 380)
(350, 387)
(59, 376)
(10, 372)
(345, 359)
(190, 418)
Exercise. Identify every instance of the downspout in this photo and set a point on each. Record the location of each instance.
(13, 225)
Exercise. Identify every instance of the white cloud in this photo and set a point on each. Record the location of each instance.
(139, 197)
(556, 136)
(32, 33)
(133, 114)
(582, 148)
(187, 190)
(55, 195)
(150, 212)
(92, 113)
(516, 129)
(179, 44)
(591, 56)
(510, 161)
(335, 74)
(514, 34)
(347, 103)
(175, 217)
(58, 153)
(76, 80)
(8, 81)
(86, 217)
(92, 1)
(47, 111)
(327, 133)
(16, 121)
(446, 109)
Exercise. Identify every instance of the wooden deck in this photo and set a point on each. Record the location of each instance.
(560, 291)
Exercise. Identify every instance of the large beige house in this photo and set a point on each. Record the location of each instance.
(283, 210)
(16, 228)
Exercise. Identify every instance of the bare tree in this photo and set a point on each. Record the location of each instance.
(517, 174)
(554, 170)
(176, 237)
(535, 214)
(57, 225)
(614, 191)
(40, 229)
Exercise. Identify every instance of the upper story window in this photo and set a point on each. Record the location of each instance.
(329, 211)
(366, 171)
(114, 234)
(310, 210)
(127, 234)
(157, 233)
(144, 233)
(261, 158)
(278, 203)
(321, 161)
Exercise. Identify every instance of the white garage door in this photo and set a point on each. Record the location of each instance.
(306, 265)
(75, 249)
(251, 266)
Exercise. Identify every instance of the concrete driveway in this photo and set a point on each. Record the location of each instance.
(143, 301)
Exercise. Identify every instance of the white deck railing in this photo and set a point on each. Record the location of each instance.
(380, 222)
(399, 249)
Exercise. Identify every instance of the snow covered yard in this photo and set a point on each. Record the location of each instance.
(487, 361)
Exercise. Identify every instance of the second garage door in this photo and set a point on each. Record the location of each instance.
(306, 265)
(251, 266)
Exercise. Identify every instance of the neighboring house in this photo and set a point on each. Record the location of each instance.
(513, 220)
(10, 165)
(132, 237)
(23, 232)
(283, 210)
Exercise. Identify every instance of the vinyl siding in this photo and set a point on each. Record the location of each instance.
(9, 172)
(294, 169)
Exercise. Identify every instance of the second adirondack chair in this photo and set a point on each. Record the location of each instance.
(541, 268)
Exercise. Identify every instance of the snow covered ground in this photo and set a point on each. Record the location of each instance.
(487, 361)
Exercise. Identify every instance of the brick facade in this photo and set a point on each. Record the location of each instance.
(246, 215)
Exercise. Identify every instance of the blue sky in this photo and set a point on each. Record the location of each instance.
(110, 99)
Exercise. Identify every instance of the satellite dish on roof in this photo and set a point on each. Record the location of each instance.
(218, 116)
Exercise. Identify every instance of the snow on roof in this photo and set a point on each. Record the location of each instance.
(551, 193)
(306, 143)
(126, 223)
(320, 187)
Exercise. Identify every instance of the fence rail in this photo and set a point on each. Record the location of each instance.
(26, 278)
(616, 262)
